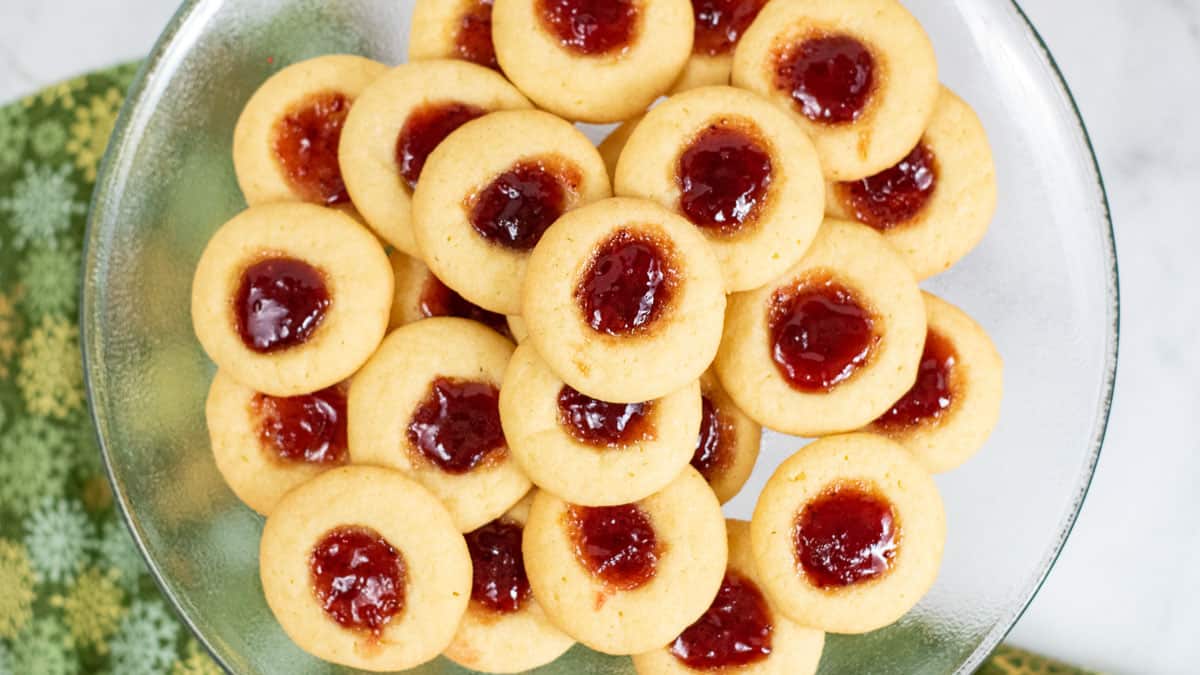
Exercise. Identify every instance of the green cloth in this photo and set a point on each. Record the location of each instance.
(75, 596)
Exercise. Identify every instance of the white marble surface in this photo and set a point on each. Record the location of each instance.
(1125, 597)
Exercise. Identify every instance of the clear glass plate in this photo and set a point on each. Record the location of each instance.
(1044, 284)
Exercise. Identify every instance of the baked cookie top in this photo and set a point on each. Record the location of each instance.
(453, 29)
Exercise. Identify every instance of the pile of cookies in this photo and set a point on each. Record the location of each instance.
(491, 384)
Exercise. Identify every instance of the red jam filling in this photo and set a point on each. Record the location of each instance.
(627, 285)
(723, 176)
(735, 631)
(591, 27)
(426, 127)
(601, 423)
(309, 428)
(713, 445)
(932, 394)
(359, 578)
(517, 207)
(820, 334)
(306, 144)
(896, 195)
(457, 425)
(499, 583)
(438, 299)
(473, 39)
(279, 303)
(719, 23)
(617, 544)
(845, 536)
(830, 78)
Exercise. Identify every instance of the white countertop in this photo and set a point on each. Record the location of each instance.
(1125, 596)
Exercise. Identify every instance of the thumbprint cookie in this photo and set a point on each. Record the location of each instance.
(848, 533)
(592, 60)
(739, 169)
(593, 452)
(421, 295)
(830, 344)
(728, 443)
(628, 578)
(624, 300)
(285, 144)
(397, 123)
(290, 298)
(363, 567)
(859, 76)
(719, 26)
(490, 191)
(427, 403)
(452, 29)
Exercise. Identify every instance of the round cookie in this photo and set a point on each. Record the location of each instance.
(392, 543)
(591, 452)
(935, 204)
(264, 446)
(737, 168)
(427, 404)
(946, 417)
(623, 300)
(658, 567)
(398, 121)
(285, 144)
(592, 60)
(728, 443)
(742, 632)
(452, 29)
(719, 26)
(421, 295)
(848, 533)
(517, 328)
(504, 630)
(289, 298)
(830, 344)
(860, 76)
(488, 193)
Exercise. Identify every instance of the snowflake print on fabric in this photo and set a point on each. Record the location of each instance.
(118, 552)
(196, 662)
(42, 204)
(145, 642)
(6, 661)
(35, 459)
(10, 329)
(16, 588)
(50, 278)
(92, 608)
(14, 129)
(62, 93)
(59, 537)
(50, 376)
(48, 138)
(46, 649)
(89, 134)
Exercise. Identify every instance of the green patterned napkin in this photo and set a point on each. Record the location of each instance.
(75, 596)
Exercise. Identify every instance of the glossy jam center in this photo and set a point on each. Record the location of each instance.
(719, 23)
(735, 631)
(309, 428)
(457, 425)
(715, 439)
(359, 578)
(280, 302)
(602, 423)
(844, 537)
(515, 209)
(591, 27)
(426, 127)
(615, 543)
(473, 39)
(723, 177)
(820, 334)
(896, 195)
(499, 583)
(830, 78)
(627, 285)
(438, 299)
(306, 144)
(932, 394)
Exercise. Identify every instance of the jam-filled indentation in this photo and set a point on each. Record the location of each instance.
(306, 145)
(617, 544)
(628, 284)
(473, 38)
(499, 583)
(735, 631)
(932, 394)
(830, 78)
(720, 24)
(896, 195)
(820, 333)
(847, 535)
(516, 208)
(457, 425)
(723, 176)
(427, 126)
(714, 445)
(591, 27)
(308, 428)
(601, 423)
(438, 299)
(359, 578)
(280, 303)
